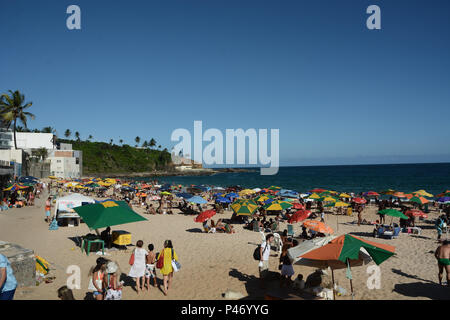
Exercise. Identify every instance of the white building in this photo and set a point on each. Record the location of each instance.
(31, 140)
(66, 163)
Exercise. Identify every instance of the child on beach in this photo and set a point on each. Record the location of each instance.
(48, 206)
(150, 271)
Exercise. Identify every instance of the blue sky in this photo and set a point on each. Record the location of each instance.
(338, 92)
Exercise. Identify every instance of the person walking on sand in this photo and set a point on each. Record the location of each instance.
(167, 270)
(264, 252)
(48, 207)
(137, 271)
(150, 271)
(442, 255)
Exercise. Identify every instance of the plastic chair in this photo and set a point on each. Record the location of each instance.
(290, 230)
(89, 242)
(278, 243)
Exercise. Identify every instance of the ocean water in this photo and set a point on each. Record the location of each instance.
(434, 178)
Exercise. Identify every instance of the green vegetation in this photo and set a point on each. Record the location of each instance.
(106, 158)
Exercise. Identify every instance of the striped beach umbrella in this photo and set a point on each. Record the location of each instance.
(244, 208)
(277, 205)
(419, 200)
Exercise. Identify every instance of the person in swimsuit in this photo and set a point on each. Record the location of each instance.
(48, 206)
(150, 271)
(442, 255)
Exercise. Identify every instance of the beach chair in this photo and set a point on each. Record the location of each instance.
(290, 230)
(278, 243)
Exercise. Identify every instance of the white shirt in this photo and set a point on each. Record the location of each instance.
(266, 251)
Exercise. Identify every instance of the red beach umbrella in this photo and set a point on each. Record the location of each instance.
(371, 193)
(359, 200)
(317, 190)
(298, 206)
(299, 216)
(205, 215)
(416, 213)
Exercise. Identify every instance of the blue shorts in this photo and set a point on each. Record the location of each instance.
(47, 213)
(7, 295)
(97, 293)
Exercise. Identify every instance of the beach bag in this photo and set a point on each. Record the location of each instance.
(131, 261)
(175, 264)
(160, 262)
(42, 265)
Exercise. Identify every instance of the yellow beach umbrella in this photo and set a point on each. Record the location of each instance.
(246, 192)
(423, 193)
(314, 196)
(344, 195)
(329, 199)
(341, 204)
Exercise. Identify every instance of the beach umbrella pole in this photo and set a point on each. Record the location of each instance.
(332, 278)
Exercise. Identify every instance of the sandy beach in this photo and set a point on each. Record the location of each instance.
(215, 263)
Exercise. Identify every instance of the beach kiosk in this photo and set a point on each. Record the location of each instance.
(64, 213)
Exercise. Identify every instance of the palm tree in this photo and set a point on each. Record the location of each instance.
(145, 144)
(111, 141)
(12, 109)
(152, 143)
(48, 130)
(77, 135)
(90, 137)
(159, 147)
(67, 133)
(137, 139)
(121, 141)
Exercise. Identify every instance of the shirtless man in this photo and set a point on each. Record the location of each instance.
(442, 254)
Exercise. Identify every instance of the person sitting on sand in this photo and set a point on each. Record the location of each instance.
(106, 236)
(220, 226)
(299, 283)
(304, 234)
(442, 255)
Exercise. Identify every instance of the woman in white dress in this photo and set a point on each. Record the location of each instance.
(137, 271)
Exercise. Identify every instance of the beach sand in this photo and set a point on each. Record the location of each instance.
(215, 263)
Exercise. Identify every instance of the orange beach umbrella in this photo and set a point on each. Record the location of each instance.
(318, 226)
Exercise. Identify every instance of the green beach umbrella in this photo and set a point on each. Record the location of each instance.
(345, 251)
(277, 205)
(244, 208)
(107, 214)
(393, 213)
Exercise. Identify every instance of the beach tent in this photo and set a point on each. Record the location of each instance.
(68, 203)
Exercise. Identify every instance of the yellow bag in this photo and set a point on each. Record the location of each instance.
(42, 265)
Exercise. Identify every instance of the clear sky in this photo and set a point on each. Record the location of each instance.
(338, 92)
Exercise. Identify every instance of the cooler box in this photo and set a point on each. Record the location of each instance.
(121, 238)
